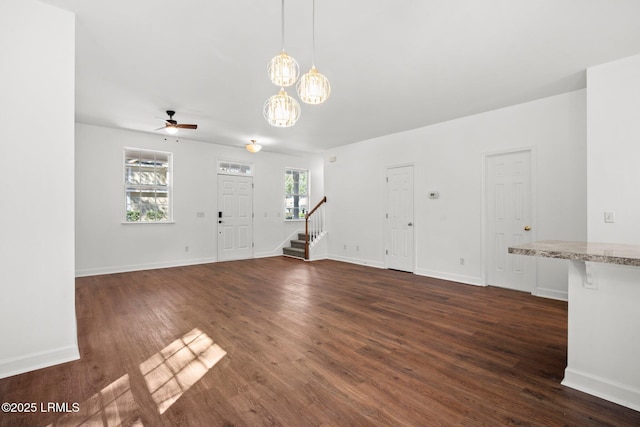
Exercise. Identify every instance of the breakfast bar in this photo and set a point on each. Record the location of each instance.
(603, 348)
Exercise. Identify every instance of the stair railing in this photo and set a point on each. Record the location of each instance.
(313, 225)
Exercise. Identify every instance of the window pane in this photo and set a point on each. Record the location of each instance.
(296, 194)
(147, 180)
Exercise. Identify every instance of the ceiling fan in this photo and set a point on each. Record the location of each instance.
(171, 126)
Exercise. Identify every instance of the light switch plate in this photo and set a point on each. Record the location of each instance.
(609, 216)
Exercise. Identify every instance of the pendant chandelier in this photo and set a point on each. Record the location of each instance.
(281, 110)
(283, 70)
(313, 87)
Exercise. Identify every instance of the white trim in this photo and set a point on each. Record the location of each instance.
(278, 250)
(551, 294)
(234, 162)
(140, 267)
(169, 183)
(308, 195)
(357, 261)
(39, 360)
(459, 278)
(602, 388)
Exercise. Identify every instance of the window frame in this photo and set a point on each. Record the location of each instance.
(226, 167)
(307, 194)
(168, 187)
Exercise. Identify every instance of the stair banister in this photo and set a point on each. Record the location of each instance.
(315, 225)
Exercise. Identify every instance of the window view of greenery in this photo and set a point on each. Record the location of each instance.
(147, 185)
(296, 194)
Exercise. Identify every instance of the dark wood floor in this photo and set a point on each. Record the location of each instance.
(282, 342)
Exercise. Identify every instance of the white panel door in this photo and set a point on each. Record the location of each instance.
(235, 217)
(399, 225)
(508, 201)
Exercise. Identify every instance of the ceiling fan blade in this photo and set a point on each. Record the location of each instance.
(160, 128)
(187, 126)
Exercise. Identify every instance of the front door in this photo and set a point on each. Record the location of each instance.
(509, 216)
(399, 253)
(235, 217)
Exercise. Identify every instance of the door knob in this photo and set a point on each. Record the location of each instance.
(410, 224)
(527, 227)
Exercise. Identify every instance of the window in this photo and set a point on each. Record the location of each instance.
(296, 194)
(147, 185)
(230, 168)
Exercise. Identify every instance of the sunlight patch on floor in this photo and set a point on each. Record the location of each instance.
(174, 369)
(114, 406)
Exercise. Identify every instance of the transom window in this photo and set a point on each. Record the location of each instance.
(147, 185)
(296, 194)
(233, 168)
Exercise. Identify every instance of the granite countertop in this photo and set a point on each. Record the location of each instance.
(612, 253)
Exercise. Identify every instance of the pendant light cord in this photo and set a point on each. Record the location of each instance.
(313, 32)
(282, 21)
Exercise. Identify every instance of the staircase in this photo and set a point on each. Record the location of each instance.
(296, 249)
(314, 230)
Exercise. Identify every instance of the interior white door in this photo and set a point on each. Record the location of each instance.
(509, 216)
(399, 224)
(235, 217)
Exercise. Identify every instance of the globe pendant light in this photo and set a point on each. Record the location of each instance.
(283, 70)
(281, 110)
(313, 87)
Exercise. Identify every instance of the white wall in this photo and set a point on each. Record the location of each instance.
(104, 244)
(613, 160)
(603, 337)
(37, 306)
(448, 157)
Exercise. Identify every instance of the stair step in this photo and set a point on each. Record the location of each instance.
(297, 244)
(294, 252)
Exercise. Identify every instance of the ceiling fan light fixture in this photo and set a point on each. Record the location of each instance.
(281, 110)
(171, 129)
(313, 87)
(253, 147)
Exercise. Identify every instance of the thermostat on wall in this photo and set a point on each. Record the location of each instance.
(434, 194)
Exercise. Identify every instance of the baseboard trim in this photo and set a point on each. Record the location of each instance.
(603, 388)
(34, 361)
(140, 267)
(467, 280)
(552, 294)
(356, 261)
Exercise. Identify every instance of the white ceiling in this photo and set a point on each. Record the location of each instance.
(393, 65)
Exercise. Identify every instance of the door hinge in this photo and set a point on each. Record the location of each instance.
(386, 251)
(253, 245)
(386, 215)
(387, 179)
